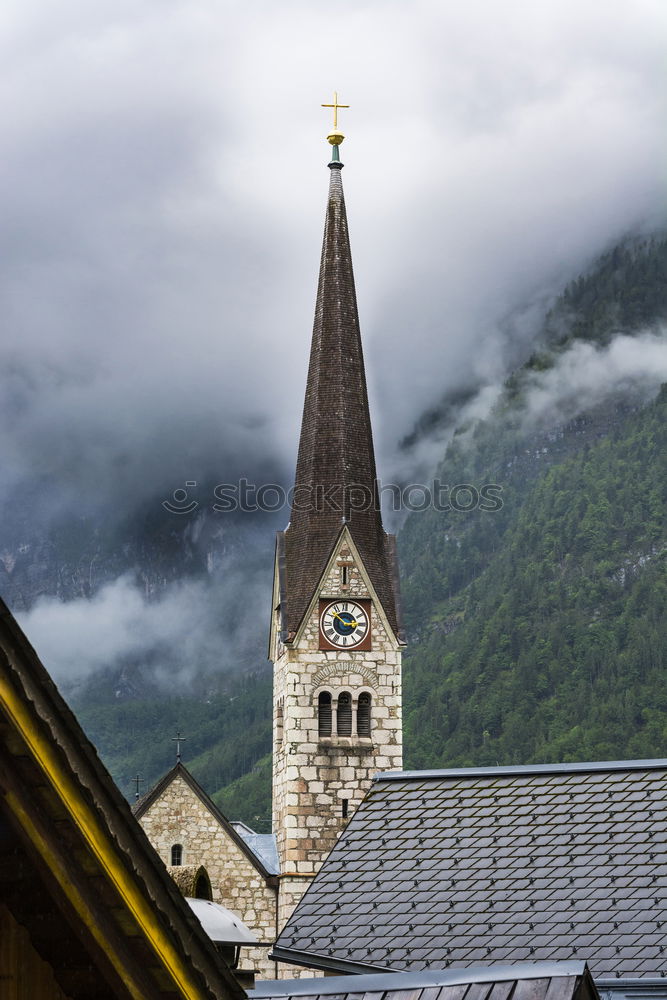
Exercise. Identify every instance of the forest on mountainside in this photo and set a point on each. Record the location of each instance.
(537, 631)
(549, 643)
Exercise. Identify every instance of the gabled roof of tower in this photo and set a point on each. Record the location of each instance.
(474, 867)
(335, 481)
(264, 860)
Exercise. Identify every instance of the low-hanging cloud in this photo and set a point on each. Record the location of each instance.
(198, 628)
(163, 180)
(580, 378)
(191, 631)
(586, 375)
(162, 191)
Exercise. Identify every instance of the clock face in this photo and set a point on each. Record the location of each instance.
(344, 624)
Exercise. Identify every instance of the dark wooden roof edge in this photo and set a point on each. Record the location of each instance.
(324, 963)
(621, 983)
(392, 555)
(179, 770)
(392, 980)
(281, 560)
(517, 770)
(98, 789)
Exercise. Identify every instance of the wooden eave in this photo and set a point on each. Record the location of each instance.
(90, 860)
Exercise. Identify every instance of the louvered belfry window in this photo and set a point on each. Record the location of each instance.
(324, 714)
(364, 715)
(344, 714)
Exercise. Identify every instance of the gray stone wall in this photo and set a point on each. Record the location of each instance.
(313, 775)
(179, 816)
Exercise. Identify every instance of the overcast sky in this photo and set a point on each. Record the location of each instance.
(163, 181)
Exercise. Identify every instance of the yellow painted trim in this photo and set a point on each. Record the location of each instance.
(76, 899)
(98, 840)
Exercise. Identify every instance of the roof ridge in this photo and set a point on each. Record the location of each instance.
(398, 979)
(509, 770)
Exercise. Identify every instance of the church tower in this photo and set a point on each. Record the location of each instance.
(336, 634)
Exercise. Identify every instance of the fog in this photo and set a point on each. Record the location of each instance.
(163, 184)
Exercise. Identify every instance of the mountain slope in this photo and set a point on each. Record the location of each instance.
(535, 630)
(554, 649)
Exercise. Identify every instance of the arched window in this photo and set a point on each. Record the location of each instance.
(202, 886)
(364, 715)
(324, 714)
(344, 714)
(177, 855)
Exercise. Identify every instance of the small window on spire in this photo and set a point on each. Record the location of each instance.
(279, 723)
(344, 576)
(324, 714)
(364, 715)
(344, 714)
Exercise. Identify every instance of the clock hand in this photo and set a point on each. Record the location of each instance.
(353, 623)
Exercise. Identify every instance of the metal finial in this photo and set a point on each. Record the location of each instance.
(178, 739)
(138, 780)
(335, 137)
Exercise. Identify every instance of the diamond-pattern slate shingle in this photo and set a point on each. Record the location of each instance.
(469, 868)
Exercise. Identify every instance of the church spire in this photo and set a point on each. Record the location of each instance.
(335, 484)
(335, 640)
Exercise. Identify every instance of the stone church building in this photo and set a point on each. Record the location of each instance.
(336, 634)
(190, 834)
(335, 638)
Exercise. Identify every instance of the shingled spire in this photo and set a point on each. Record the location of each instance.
(335, 640)
(335, 481)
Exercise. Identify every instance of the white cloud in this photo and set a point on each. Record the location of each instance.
(586, 375)
(76, 637)
(188, 630)
(162, 191)
(163, 183)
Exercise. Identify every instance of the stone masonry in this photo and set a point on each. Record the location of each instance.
(319, 781)
(333, 548)
(178, 815)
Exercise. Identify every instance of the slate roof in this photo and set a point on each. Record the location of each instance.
(632, 989)
(336, 443)
(538, 981)
(263, 845)
(474, 867)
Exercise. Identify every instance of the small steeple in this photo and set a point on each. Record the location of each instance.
(335, 483)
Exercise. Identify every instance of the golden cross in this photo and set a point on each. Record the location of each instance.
(335, 107)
